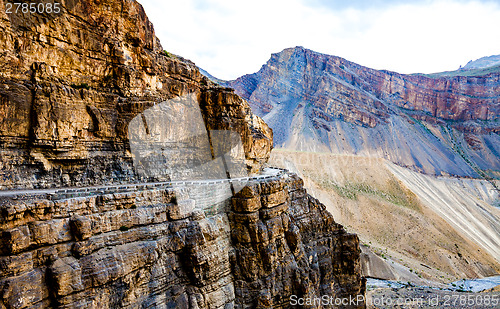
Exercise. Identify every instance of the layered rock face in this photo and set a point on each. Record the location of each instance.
(71, 82)
(313, 101)
(287, 244)
(137, 249)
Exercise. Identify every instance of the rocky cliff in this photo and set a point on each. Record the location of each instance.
(446, 125)
(71, 82)
(139, 250)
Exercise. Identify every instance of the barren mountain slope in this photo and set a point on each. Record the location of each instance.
(405, 216)
(439, 126)
(339, 117)
(479, 67)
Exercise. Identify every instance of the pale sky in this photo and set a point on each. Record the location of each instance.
(230, 38)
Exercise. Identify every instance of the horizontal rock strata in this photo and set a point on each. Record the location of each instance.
(129, 250)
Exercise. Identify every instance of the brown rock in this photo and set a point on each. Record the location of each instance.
(15, 240)
(183, 209)
(70, 86)
(82, 227)
(246, 204)
(67, 276)
(135, 257)
(25, 290)
(274, 199)
(249, 191)
(50, 232)
(15, 265)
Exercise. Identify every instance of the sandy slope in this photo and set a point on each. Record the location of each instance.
(437, 228)
(462, 203)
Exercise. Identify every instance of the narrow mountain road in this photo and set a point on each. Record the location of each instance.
(268, 173)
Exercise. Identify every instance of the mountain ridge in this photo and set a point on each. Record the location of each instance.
(439, 126)
(479, 67)
(483, 62)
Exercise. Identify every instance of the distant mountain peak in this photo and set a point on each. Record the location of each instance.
(314, 101)
(483, 63)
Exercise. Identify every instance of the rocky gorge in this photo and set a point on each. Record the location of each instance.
(129, 250)
(70, 83)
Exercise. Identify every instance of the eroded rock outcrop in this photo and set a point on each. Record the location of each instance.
(129, 250)
(71, 82)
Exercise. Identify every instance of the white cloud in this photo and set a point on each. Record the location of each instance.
(230, 38)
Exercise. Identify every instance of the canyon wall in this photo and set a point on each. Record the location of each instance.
(71, 82)
(140, 249)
